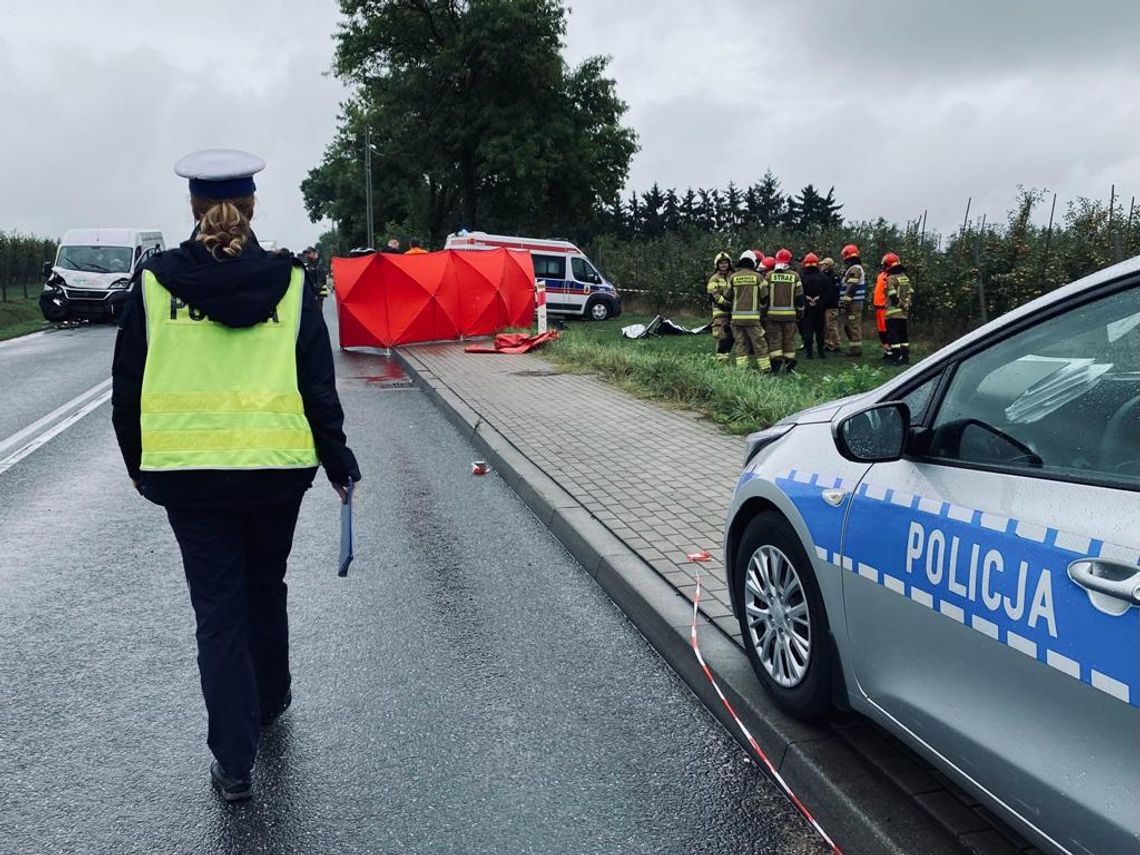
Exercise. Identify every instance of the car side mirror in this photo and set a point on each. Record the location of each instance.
(877, 434)
(47, 269)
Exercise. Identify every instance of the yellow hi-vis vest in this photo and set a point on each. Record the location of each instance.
(214, 397)
(783, 297)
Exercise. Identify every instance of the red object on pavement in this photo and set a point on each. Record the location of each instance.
(700, 555)
(514, 343)
(384, 300)
(479, 467)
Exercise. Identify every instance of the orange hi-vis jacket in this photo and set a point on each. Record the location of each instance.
(881, 291)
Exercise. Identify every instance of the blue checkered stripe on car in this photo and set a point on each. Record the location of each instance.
(1005, 578)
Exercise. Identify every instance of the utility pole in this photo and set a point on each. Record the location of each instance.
(371, 238)
(978, 266)
(1048, 238)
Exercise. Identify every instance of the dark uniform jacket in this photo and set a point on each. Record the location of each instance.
(818, 288)
(238, 292)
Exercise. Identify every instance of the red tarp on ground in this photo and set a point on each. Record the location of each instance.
(384, 299)
(514, 342)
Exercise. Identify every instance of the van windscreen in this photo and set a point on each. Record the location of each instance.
(95, 259)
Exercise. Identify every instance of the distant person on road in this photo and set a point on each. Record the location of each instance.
(224, 402)
(720, 292)
(316, 273)
(393, 246)
(749, 303)
(852, 298)
(414, 247)
(816, 285)
(785, 309)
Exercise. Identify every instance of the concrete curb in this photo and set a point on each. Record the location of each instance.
(822, 769)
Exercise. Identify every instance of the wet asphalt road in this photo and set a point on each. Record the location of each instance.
(468, 689)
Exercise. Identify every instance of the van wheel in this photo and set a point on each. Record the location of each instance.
(782, 620)
(598, 310)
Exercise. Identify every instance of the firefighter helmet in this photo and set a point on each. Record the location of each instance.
(784, 256)
(890, 260)
(769, 263)
(748, 255)
(850, 251)
(722, 256)
(811, 260)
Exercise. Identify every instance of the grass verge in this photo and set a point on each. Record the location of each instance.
(680, 370)
(20, 317)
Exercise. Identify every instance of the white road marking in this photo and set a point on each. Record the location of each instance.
(21, 435)
(44, 437)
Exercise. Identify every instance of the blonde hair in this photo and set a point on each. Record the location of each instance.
(223, 224)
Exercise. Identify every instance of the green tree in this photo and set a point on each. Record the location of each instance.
(476, 119)
(770, 202)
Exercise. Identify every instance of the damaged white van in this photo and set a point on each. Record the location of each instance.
(92, 272)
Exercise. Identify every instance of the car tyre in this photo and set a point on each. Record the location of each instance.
(599, 310)
(783, 624)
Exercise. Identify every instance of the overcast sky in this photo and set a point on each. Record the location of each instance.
(903, 105)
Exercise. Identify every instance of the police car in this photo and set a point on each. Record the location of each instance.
(573, 285)
(956, 555)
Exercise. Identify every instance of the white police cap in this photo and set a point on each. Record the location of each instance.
(220, 173)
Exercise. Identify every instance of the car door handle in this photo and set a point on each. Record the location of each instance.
(1113, 588)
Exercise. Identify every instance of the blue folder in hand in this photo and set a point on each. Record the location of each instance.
(346, 533)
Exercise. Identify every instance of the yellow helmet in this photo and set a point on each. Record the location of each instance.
(722, 256)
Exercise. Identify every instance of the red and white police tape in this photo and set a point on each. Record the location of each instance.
(747, 734)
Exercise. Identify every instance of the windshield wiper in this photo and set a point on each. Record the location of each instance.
(95, 268)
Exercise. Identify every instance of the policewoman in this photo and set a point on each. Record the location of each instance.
(224, 403)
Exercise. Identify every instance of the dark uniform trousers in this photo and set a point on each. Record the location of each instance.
(235, 568)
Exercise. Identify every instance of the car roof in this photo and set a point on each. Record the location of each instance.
(108, 237)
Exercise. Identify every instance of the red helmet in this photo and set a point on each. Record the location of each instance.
(769, 263)
(811, 260)
(784, 256)
(850, 251)
(759, 254)
(890, 260)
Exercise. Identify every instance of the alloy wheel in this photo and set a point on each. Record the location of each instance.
(779, 626)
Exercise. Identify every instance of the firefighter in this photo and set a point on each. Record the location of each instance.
(830, 306)
(817, 285)
(899, 294)
(749, 306)
(854, 293)
(785, 309)
(880, 304)
(721, 294)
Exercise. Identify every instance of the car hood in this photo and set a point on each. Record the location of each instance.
(823, 412)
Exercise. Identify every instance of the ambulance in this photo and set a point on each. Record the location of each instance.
(574, 286)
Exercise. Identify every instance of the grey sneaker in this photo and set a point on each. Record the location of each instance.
(232, 789)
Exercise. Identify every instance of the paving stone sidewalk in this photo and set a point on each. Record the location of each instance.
(659, 479)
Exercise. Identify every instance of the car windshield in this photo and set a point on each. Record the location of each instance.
(95, 259)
